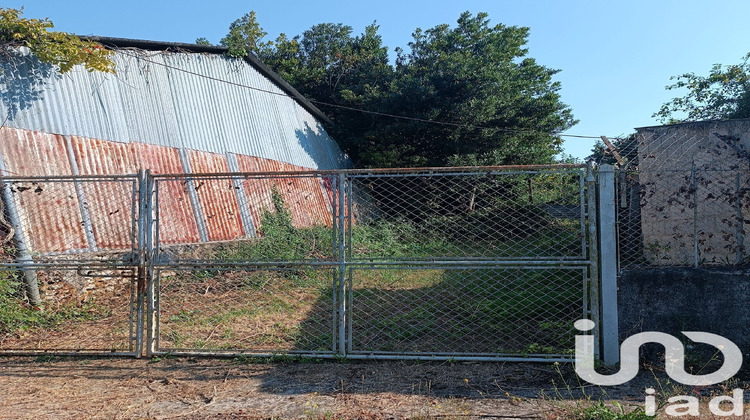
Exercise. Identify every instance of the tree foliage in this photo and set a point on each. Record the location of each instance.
(723, 94)
(497, 105)
(55, 48)
(473, 75)
(245, 36)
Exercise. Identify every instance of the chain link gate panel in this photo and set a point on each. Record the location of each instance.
(245, 263)
(457, 263)
(467, 263)
(71, 250)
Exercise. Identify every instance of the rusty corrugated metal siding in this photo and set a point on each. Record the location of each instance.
(304, 197)
(49, 211)
(109, 203)
(217, 197)
(52, 212)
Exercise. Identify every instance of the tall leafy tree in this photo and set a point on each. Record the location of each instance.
(245, 37)
(723, 94)
(341, 72)
(503, 106)
(495, 104)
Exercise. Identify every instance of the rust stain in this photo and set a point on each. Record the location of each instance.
(109, 203)
(49, 211)
(305, 197)
(177, 220)
(217, 197)
(52, 213)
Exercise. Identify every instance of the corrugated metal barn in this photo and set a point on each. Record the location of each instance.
(170, 108)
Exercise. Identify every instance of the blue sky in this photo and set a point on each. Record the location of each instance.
(616, 56)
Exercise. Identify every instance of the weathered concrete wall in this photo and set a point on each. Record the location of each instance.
(683, 299)
(695, 192)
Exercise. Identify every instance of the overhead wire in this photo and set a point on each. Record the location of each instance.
(365, 111)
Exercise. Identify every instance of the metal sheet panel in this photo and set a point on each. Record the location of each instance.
(217, 197)
(109, 204)
(198, 101)
(303, 196)
(85, 214)
(32, 153)
(179, 223)
(49, 211)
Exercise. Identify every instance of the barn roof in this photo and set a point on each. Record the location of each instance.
(181, 96)
(112, 43)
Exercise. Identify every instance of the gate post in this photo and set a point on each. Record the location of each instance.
(593, 235)
(152, 294)
(608, 260)
(341, 279)
(145, 282)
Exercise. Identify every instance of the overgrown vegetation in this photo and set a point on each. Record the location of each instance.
(17, 316)
(56, 48)
(281, 241)
(467, 94)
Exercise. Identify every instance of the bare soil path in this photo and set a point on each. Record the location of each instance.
(67, 388)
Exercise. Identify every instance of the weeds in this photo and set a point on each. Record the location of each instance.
(16, 316)
(281, 240)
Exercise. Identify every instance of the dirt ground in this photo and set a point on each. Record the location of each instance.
(67, 388)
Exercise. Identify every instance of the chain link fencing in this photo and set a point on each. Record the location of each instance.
(473, 263)
(683, 198)
(68, 281)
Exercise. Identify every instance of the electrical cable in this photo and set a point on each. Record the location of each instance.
(382, 114)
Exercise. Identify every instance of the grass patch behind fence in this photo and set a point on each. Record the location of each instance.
(24, 325)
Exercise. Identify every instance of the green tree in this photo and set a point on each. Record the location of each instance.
(245, 36)
(56, 48)
(473, 75)
(723, 94)
(497, 105)
(203, 41)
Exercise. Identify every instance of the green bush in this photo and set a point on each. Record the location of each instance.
(281, 241)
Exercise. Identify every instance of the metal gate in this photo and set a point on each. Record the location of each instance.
(488, 263)
(456, 263)
(74, 243)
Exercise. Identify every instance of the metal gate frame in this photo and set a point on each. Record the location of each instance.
(81, 262)
(344, 262)
(599, 291)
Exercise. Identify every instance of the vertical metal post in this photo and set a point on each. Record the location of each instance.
(593, 252)
(342, 315)
(608, 269)
(334, 251)
(24, 255)
(144, 294)
(141, 260)
(193, 195)
(349, 199)
(88, 227)
(150, 253)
